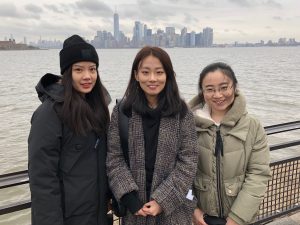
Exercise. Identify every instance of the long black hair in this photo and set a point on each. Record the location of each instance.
(224, 68)
(84, 113)
(168, 99)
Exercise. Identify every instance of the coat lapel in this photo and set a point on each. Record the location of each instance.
(166, 149)
(137, 153)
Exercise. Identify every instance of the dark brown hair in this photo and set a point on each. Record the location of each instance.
(168, 99)
(84, 114)
(223, 67)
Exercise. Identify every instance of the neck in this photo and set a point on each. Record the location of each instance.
(217, 116)
(152, 102)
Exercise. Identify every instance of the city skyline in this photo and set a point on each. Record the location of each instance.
(144, 35)
(232, 20)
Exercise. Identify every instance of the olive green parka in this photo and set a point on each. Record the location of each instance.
(233, 184)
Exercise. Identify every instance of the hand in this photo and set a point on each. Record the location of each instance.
(152, 208)
(140, 213)
(109, 206)
(231, 221)
(198, 217)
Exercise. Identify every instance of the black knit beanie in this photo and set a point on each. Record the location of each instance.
(75, 49)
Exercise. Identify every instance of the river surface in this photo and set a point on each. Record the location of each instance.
(268, 77)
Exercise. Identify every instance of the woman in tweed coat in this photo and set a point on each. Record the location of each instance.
(162, 146)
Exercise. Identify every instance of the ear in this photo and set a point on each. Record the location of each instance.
(136, 76)
(236, 92)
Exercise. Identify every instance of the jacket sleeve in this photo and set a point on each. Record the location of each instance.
(44, 152)
(257, 176)
(173, 191)
(119, 176)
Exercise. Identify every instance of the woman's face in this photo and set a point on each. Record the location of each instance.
(218, 91)
(84, 76)
(151, 77)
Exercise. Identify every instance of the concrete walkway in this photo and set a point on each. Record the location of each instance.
(292, 219)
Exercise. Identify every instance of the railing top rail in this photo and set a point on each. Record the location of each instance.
(13, 179)
(12, 174)
(283, 161)
(21, 177)
(284, 145)
(282, 127)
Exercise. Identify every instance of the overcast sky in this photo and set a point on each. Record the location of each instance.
(232, 20)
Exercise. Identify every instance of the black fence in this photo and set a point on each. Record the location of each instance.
(282, 196)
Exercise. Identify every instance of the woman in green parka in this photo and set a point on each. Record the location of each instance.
(233, 167)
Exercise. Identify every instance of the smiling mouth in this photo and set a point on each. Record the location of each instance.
(86, 85)
(219, 102)
(152, 86)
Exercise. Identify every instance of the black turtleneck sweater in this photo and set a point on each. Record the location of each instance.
(151, 122)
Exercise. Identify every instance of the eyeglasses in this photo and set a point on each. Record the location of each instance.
(223, 90)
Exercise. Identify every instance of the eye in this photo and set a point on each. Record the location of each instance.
(160, 72)
(145, 72)
(223, 88)
(209, 90)
(77, 69)
(93, 70)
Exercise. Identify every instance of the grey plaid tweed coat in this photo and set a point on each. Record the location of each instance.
(175, 168)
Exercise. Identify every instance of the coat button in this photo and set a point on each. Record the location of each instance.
(78, 147)
(229, 191)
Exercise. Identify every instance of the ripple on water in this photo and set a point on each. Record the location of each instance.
(267, 76)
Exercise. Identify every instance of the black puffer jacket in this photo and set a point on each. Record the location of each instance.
(67, 173)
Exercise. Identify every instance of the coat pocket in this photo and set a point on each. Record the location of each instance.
(183, 214)
(232, 189)
(70, 156)
(204, 194)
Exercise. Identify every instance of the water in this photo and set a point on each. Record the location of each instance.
(269, 78)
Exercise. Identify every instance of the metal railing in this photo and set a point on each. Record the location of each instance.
(282, 196)
(283, 193)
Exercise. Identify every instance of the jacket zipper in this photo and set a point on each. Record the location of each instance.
(218, 153)
(98, 179)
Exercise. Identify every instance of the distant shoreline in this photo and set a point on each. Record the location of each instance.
(21, 48)
(213, 47)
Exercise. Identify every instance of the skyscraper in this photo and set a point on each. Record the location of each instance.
(208, 37)
(183, 36)
(137, 34)
(116, 27)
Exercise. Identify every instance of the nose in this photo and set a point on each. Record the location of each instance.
(86, 75)
(217, 93)
(153, 76)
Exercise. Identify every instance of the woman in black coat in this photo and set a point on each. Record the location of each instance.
(67, 142)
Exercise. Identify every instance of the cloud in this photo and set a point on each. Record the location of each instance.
(188, 19)
(94, 8)
(188, 1)
(273, 4)
(53, 8)
(243, 3)
(235, 31)
(33, 8)
(257, 3)
(8, 10)
(148, 12)
(277, 18)
(144, 2)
